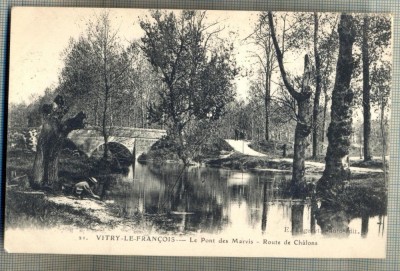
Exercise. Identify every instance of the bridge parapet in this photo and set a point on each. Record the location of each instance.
(90, 138)
(126, 132)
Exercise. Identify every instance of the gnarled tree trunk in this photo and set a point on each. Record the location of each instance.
(302, 131)
(52, 135)
(339, 130)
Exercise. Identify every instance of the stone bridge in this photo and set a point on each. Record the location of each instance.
(90, 139)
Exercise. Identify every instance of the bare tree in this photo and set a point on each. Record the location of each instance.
(97, 72)
(303, 126)
(261, 37)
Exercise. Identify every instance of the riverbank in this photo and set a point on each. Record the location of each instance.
(41, 209)
(246, 155)
(244, 162)
(27, 209)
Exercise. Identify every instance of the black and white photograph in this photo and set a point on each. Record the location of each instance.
(198, 133)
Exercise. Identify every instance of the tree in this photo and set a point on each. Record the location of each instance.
(196, 73)
(303, 126)
(381, 81)
(266, 59)
(340, 128)
(328, 53)
(366, 90)
(376, 36)
(55, 129)
(97, 73)
(318, 83)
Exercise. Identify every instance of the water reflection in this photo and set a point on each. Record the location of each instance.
(333, 221)
(297, 219)
(211, 200)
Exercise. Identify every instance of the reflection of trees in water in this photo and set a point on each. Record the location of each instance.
(297, 219)
(334, 215)
(203, 200)
(195, 200)
(198, 209)
(333, 221)
(313, 211)
(264, 209)
(261, 190)
(364, 225)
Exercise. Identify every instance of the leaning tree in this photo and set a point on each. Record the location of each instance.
(55, 129)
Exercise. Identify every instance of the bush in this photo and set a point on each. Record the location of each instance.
(163, 150)
(166, 149)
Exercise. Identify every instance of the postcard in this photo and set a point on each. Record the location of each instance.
(198, 133)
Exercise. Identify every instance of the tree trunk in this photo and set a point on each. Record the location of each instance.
(52, 135)
(303, 126)
(267, 98)
(104, 128)
(267, 102)
(303, 129)
(300, 146)
(107, 96)
(326, 100)
(39, 164)
(383, 135)
(339, 130)
(366, 91)
(317, 89)
(182, 151)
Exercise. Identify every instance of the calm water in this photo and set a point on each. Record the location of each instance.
(219, 201)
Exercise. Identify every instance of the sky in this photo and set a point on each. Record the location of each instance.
(40, 35)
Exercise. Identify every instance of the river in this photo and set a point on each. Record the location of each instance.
(228, 202)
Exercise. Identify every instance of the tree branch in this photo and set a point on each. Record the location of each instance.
(279, 57)
(74, 123)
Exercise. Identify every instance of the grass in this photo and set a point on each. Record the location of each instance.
(33, 210)
(240, 161)
(166, 150)
(369, 164)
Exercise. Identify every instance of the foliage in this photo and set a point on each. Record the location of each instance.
(196, 73)
(379, 52)
(166, 149)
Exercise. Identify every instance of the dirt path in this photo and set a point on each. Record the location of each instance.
(242, 146)
(321, 166)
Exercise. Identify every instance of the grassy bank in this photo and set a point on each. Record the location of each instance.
(25, 207)
(20, 163)
(240, 161)
(165, 150)
(36, 209)
(28, 207)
